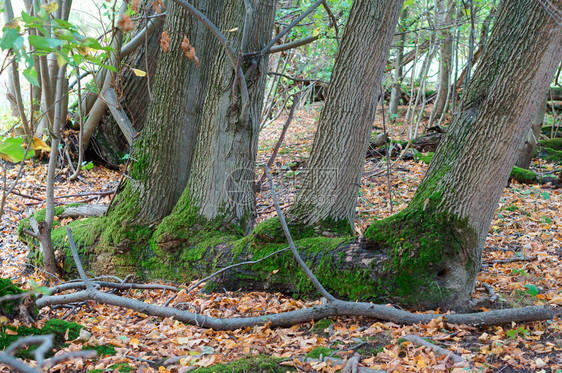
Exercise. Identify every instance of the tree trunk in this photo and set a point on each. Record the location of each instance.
(437, 241)
(134, 93)
(527, 152)
(221, 185)
(161, 157)
(333, 176)
(446, 62)
(396, 92)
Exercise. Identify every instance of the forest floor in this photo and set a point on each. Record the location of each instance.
(521, 265)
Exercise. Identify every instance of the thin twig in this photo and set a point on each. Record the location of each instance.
(298, 258)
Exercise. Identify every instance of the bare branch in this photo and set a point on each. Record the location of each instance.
(267, 48)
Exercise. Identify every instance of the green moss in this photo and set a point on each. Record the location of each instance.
(320, 351)
(321, 325)
(426, 158)
(551, 155)
(40, 217)
(59, 328)
(555, 143)
(8, 308)
(102, 350)
(421, 245)
(523, 175)
(250, 364)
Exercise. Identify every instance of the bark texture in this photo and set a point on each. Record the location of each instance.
(473, 162)
(527, 152)
(396, 91)
(222, 179)
(338, 154)
(161, 157)
(446, 61)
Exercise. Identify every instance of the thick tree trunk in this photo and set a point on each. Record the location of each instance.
(332, 181)
(396, 92)
(221, 185)
(446, 61)
(161, 157)
(437, 241)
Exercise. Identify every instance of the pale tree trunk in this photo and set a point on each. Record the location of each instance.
(337, 158)
(527, 152)
(437, 241)
(446, 61)
(221, 185)
(134, 90)
(396, 91)
(161, 156)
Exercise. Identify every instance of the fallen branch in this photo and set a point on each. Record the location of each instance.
(439, 351)
(45, 343)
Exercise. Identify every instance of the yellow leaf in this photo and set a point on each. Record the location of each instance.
(51, 7)
(3, 320)
(161, 369)
(38, 144)
(134, 342)
(138, 72)
(233, 29)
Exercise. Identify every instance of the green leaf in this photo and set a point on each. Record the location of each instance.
(532, 289)
(31, 76)
(12, 150)
(9, 38)
(546, 196)
(44, 44)
(511, 333)
(61, 59)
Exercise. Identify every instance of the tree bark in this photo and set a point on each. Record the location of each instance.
(396, 92)
(221, 185)
(133, 92)
(332, 180)
(527, 152)
(161, 158)
(437, 241)
(446, 61)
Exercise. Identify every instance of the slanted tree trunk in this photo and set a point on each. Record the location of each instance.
(446, 61)
(221, 185)
(133, 91)
(161, 157)
(527, 152)
(435, 244)
(396, 92)
(333, 175)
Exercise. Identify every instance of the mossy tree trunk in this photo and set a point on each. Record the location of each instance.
(221, 185)
(161, 157)
(331, 184)
(436, 244)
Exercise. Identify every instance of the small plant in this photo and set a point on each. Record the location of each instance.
(513, 333)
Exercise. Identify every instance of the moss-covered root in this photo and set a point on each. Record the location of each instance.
(432, 258)
(523, 176)
(9, 308)
(555, 143)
